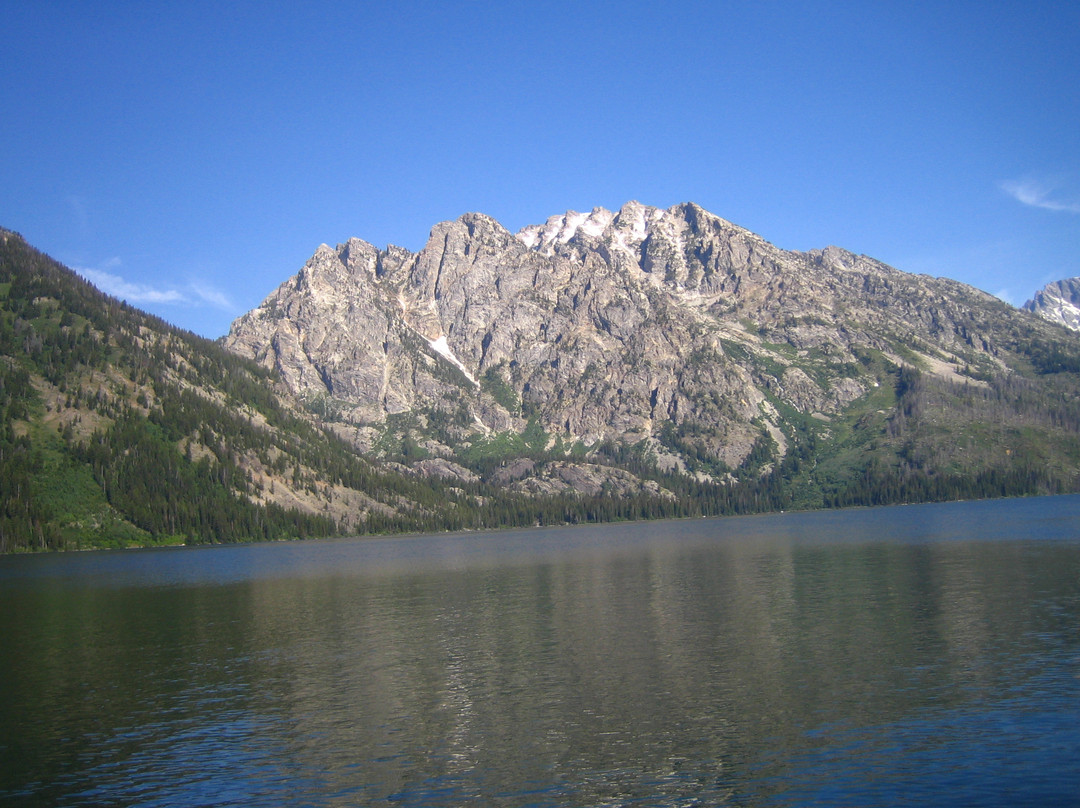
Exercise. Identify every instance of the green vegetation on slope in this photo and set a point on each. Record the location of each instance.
(96, 398)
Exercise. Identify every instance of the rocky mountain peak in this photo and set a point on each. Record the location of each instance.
(565, 228)
(672, 327)
(1058, 302)
(624, 230)
(481, 222)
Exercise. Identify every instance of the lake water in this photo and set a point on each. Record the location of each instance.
(913, 655)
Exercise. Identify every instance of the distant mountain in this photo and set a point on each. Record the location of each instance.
(1058, 302)
(610, 365)
(676, 338)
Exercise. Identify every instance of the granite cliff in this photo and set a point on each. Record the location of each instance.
(674, 332)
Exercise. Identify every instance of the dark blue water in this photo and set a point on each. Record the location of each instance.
(915, 655)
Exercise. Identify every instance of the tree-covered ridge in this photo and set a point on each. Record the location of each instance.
(97, 397)
(119, 429)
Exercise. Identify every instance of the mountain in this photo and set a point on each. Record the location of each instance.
(1058, 302)
(610, 365)
(680, 340)
(119, 429)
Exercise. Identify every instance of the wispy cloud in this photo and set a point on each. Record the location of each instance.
(194, 294)
(1037, 194)
(131, 292)
(208, 294)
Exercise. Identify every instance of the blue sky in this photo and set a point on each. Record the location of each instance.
(189, 157)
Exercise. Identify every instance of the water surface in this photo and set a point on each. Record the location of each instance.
(925, 654)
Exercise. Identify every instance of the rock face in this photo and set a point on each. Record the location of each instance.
(673, 330)
(1058, 302)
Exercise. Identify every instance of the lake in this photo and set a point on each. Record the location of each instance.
(911, 655)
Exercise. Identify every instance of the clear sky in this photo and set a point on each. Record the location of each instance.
(191, 156)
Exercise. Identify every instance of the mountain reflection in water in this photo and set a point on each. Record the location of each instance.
(924, 654)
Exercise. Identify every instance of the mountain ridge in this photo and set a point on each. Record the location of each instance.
(478, 291)
(674, 331)
(611, 365)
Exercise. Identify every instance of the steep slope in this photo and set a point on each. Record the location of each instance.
(672, 335)
(119, 429)
(1058, 302)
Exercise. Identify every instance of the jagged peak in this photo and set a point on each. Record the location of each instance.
(354, 244)
(698, 218)
(832, 253)
(400, 253)
(477, 218)
(562, 228)
(482, 222)
(1058, 302)
(358, 256)
(692, 210)
(474, 223)
(323, 254)
(631, 224)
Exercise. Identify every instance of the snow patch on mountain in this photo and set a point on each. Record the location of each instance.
(442, 347)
